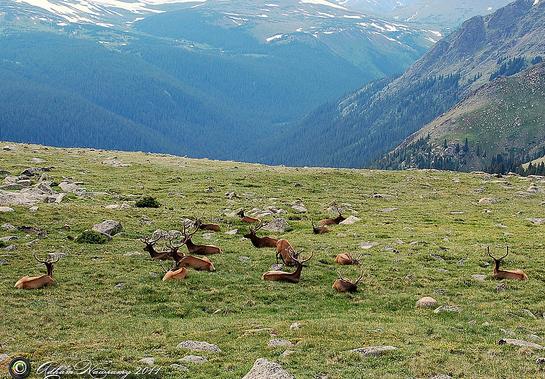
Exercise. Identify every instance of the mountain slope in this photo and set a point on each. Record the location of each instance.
(363, 126)
(505, 117)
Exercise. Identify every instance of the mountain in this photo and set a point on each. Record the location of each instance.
(207, 79)
(360, 128)
(496, 128)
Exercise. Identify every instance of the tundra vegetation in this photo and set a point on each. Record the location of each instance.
(421, 233)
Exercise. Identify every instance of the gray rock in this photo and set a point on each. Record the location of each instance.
(487, 201)
(426, 302)
(287, 353)
(529, 313)
(388, 210)
(8, 238)
(368, 245)
(6, 210)
(479, 277)
(374, 351)
(278, 225)
(299, 207)
(350, 220)
(194, 359)
(537, 221)
(441, 376)
(520, 343)
(232, 232)
(3, 357)
(264, 369)
(33, 209)
(35, 171)
(539, 361)
(447, 309)
(178, 367)
(501, 287)
(115, 162)
(3, 262)
(109, 227)
(10, 248)
(277, 267)
(71, 187)
(295, 326)
(147, 361)
(244, 259)
(279, 342)
(120, 286)
(198, 346)
(37, 160)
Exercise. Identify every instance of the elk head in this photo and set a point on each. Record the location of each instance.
(346, 285)
(319, 229)
(282, 276)
(505, 274)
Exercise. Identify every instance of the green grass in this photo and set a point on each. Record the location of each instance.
(84, 316)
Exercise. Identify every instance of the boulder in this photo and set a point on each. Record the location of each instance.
(264, 369)
(520, 343)
(278, 225)
(6, 209)
(426, 302)
(350, 220)
(447, 309)
(194, 359)
(374, 351)
(149, 361)
(108, 227)
(279, 342)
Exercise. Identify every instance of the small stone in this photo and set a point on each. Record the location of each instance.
(487, 201)
(264, 369)
(374, 351)
(279, 342)
(447, 309)
(33, 209)
(501, 287)
(120, 286)
(3, 262)
(8, 238)
(368, 245)
(178, 367)
(441, 376)
(520, 343)
(540, 361)
(6, 210)
(232, 232)
(8, 227)
(10, 248)
(389, 210)
(287, 353)
(194, 359)
(147, 361)
(37, 160)
(298, 207)
(295, 326)
(529, 313)
(198, 346)
(479, 277)
(537, 221)
(3, 357)
(426, 302)
(244, 259)
(277, 267)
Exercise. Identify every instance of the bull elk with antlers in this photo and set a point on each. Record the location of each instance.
(198, 249)
(346, 259)
(173, 253)
(319, 229)
(345, 285)
(36, 282)
(333, 221)
(247, 219)
(210, 227)
(505, 274)
(260, 242)
(282, 276)
(285, 252)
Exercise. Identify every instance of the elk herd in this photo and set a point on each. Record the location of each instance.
(196, 257)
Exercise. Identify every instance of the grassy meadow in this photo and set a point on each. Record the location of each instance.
(110, 306)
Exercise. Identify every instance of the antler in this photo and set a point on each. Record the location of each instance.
(259, 226)
(335, 206)
(187, 236)
(360, 278)
(304, 260)
(506, 254)
(340, 276)
(490, 255)
(497, 259)
(46, 261)
(151, 241)
(171, 237)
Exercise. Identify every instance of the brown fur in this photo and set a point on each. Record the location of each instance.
(282, 276)
(286, 252)
(346, 259)
(499, 274)
(200, 264)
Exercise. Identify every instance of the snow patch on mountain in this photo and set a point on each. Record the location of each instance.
(324, 3)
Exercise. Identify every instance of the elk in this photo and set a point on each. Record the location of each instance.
(162, 255)
(247, 219)
(346, 259)
(333, 221)
(260, 242)
(198, 249)
(505, 274)
(211, 227)
(36, 282)
(285, 251)
(199, 264)
(345, 285)
(282, 276)
(319, 229)
(177, 272)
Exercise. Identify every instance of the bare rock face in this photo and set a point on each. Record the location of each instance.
(109, 227)
(199, 346)
(426, 302)
(264, 369)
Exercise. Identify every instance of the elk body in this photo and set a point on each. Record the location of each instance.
(319, 229)
(36, 282)
(282, 276)
(285, 251)
(333, 221)
(346, 259)
(247, 219)
(505, 274)
(198, 249)
(345, 285)
(211, 227)
(260, 242)
(200, 264)
(177, 273)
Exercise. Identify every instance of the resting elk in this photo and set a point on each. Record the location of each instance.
(505, 274)
(260, 242)
(178, 272)
(247, 219)
(198, 249)
(161, 255)
(346, 259)
(282, 276)
(211, 227)
(199, 264)
(286, 252)
(36, 282)
(345, 285)
(333, 221)
(319, 229)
